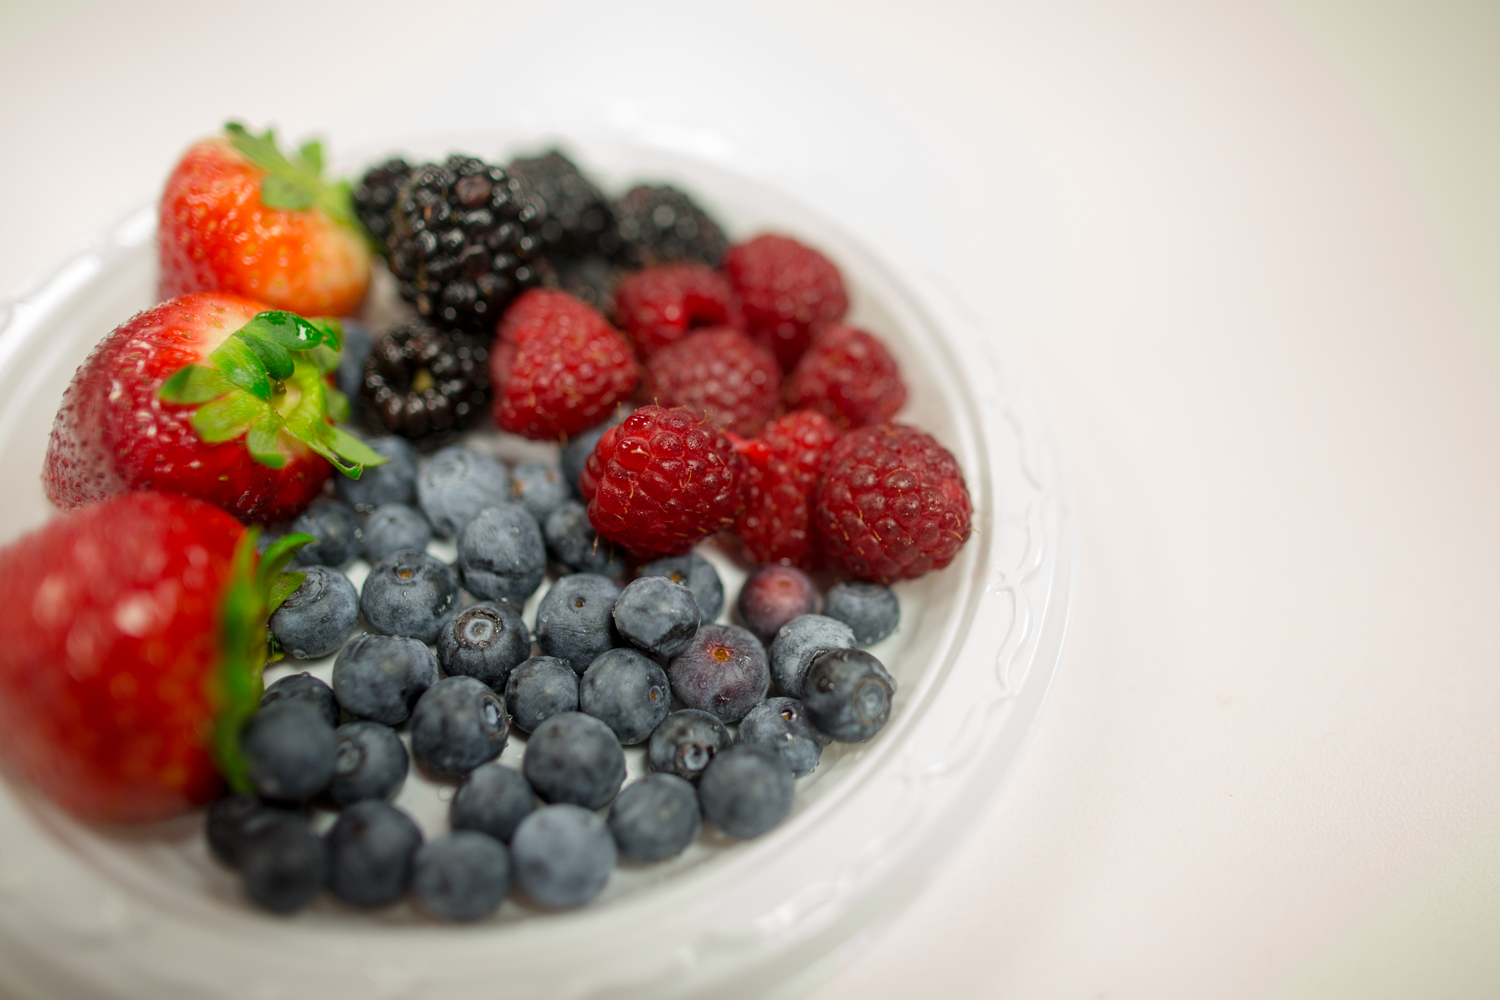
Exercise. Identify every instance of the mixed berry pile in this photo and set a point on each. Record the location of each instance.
(227, 455)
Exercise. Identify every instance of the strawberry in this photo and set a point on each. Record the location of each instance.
(135, 634)
(238, 215)
(210, 396)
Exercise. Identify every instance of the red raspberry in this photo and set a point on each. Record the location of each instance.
(789, 293)
(782, 467)
(559, 367)
(659, 305)
(720, 373)
(892, 505)
(849, 375)
(662, 481)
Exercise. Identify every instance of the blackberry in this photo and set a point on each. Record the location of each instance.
(590, 279)
(375, 198)
(423, 382)
(462, 242)
(572, 215)
(658, 225)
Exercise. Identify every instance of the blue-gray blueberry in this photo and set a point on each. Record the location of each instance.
(872, 611)
(335, 528)
(723, 671)
(627, 691)
(574, 543)
(562, 855)
(318, 616)
(696, 574)
(746, 790)
(289, 748)
(655, 817)
(500, 554)
(379, 677)
(393, 481)
(461, 875)
(370, 762)
(458, 482)
(484, 641)
(575, 619)
(657, 615)
(458, 724)
(781, 724)
(847, 694)
(392, 527)
(492, 799)
(538, 689)
(685, 742)
(574, 758)
(371, 847)
(409, 593)
(800, 641)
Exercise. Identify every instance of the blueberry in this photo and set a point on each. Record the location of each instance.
(572, 541)
(575, 621)
(492, 799)
(696, 574)
(370, 763)
(461, 875)
(378, 677)
(655, 818)
(847, 694)
(723, 671)
(562, 855)
(781, 724)
(871, 610)
(357, 346)
(657, 615)
(746, 790)
(576, 454)
(409, 593)
(484, 641)
(233, 817)
(772, 596)
(500, 554)
(370, 851)
(318, 616)
(540, 487)
(627, 691)
(538, 689)
(304, 687)
(392, 527)
(685, 742)
(574, 758)
(799, 642)
(457, 483)
(290, 750)
(283, 863)
(393, 481)
(335, 527)
(458, 724)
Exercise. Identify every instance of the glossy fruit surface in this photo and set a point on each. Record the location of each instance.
(239, 216)
(110, 672)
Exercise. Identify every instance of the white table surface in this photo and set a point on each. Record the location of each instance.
(1261, 301)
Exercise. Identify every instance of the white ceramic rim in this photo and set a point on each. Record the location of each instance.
(776, 913)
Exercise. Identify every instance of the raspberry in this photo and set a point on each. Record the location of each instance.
(660, 305)
(662, 481)
(720, 373)
(782, 468)
(849, 375)
(892, 505)
(789, 293)
(559, 367)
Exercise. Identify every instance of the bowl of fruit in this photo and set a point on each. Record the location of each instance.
(552, 574)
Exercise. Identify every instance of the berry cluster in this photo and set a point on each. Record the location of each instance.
(694, 387)
(446, 684)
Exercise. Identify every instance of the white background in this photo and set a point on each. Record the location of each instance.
(1261, 293)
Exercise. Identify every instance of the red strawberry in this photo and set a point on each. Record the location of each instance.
(558, 367)
(782, 467)
(238, 215)
(207, 396)
(135, 633)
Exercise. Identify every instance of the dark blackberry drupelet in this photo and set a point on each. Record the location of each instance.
(462, 243)
(572, 215)
(658, 225)
(375, 198)
(592, 280)
(422, 382)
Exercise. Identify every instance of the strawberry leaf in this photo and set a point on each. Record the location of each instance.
(263, 441)
(353, 449)
(276, 360)
(282, 192)
(293, 184)
(229, 416)
(338, 404)
(284, 586)
(242, 366)
(195, 384)
(289, 330)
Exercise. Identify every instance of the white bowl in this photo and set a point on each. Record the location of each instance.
(146, 913)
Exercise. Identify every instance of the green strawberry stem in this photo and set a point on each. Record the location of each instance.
(294, 183)
(265, 383)
(255, 590)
